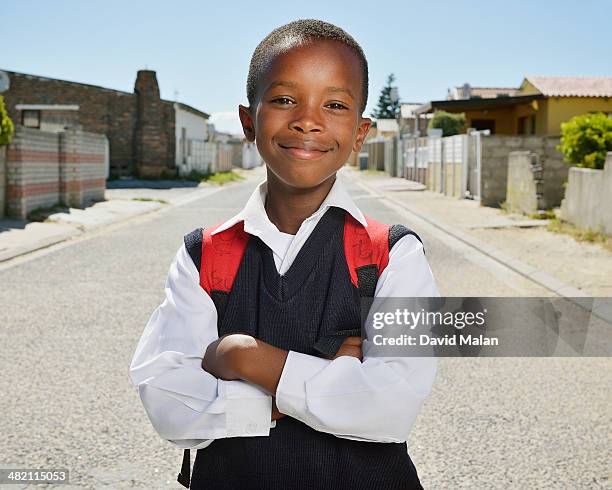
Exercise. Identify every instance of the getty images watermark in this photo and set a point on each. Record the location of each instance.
(487, 327)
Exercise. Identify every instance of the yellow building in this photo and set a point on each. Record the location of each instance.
(537, 107)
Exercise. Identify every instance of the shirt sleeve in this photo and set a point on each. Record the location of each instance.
(388, 391)
(187, 405)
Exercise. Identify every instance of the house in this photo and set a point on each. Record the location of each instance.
(537, 107)
(466, 91)
(383, 128)
(410, 124)
(147, 136)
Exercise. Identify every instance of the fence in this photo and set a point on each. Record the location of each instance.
(43, 169)
(213, 156)
(472, 165)
(449, 165)
(250, 156)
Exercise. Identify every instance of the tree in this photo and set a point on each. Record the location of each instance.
(449, 123)
(6, 125)
(386, 108)
(586, 139)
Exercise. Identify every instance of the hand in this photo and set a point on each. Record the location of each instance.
(222, 358)
(350, 347)
(275, 412)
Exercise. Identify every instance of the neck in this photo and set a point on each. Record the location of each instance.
(287, 206)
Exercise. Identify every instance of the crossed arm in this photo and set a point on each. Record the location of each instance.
(243, 357)
(245, 382)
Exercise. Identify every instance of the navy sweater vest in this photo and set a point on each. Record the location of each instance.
(314, 298)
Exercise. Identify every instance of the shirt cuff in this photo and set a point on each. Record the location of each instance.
(291, 389)
(248, 410)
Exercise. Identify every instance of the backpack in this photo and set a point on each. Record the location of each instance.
(217, 258)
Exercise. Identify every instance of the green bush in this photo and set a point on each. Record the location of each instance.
(586, 139)
(449, 123)
(6, 125)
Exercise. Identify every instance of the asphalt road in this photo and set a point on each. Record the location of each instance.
(72, 315)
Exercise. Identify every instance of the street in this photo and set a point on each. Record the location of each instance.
(72, 315)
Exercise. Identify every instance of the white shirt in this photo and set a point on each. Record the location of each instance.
(190, 407)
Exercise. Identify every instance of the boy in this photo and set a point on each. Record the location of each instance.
(239, 379)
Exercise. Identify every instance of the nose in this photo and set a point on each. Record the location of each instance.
(307, 120)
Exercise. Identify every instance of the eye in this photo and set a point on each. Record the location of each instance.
(337, 105)
(282, 101)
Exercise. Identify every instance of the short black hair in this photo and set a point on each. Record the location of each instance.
(297, 33)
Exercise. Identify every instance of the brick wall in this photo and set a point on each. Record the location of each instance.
(82, 179)
(154, 135)
(32, 168)
(2, 181)
(110, 112)
(44, 169)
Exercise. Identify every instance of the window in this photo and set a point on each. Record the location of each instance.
(30, 119)
(533, 124)
(483, 124)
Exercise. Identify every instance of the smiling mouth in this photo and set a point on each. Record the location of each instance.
(302, 153)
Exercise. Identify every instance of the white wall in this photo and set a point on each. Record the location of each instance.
(196, 128)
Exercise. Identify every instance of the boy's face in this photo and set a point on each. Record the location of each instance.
(307, 120)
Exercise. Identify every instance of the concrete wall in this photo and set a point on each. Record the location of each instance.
(390, 156)
(452, 179)
(588, 198)
(224, 160)
(250, 155)
(524, 183)
(444, 165)
(420, 175)
(494, 167)
(376, 154)
(44, 169)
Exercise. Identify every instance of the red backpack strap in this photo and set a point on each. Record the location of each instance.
(221, 257)
(367, 252)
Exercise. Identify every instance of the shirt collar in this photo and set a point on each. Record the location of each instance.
(256, 219)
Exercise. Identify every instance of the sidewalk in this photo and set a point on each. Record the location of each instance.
(125, 199)
(556, 261)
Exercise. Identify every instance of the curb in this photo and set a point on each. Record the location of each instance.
(77, 230)
(533, 274)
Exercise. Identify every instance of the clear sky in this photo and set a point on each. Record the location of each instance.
(201, 50)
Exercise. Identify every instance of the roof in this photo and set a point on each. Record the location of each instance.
(98, 87)
(469, 104)
(491, 92)
(466, 91)
(193, 110)
(47, 79)
(572, 86)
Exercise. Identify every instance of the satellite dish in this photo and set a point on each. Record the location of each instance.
(4, 81)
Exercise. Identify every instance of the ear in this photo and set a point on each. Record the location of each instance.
(362, 131)
(248, 125)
